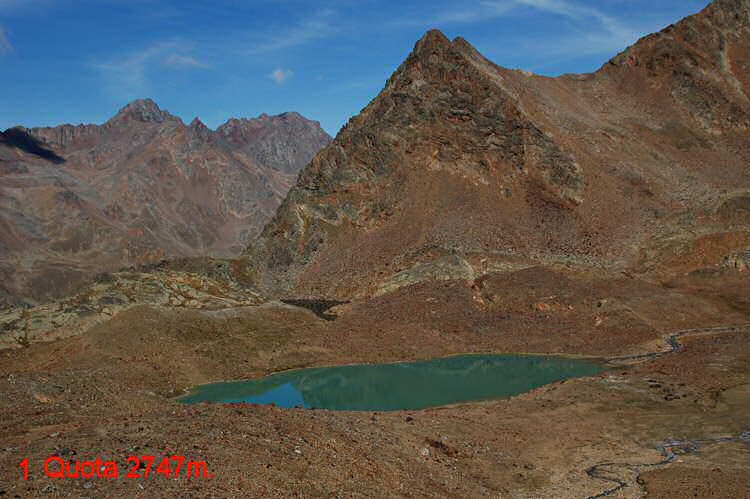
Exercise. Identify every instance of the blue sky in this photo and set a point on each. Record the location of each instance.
(78, 61)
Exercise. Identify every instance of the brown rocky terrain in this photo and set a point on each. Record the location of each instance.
(76, 200)
(468, 209)
(110, 391)
(641, 166)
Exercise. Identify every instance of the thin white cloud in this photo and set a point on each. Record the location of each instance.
(594, 31)
(281, 75)
(605, 34)
(486, 10)
(176, 60)
(577, 12)
(316, 27)
(5, 46)
(127, 76)
(471, 12)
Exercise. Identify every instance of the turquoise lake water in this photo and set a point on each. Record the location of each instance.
(399, 386)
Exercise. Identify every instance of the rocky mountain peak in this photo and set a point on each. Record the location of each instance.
(143, 110)
(291, 117)
(430, 51)
(439, 61)
(433, 40)
(286, 141)
(197, 123)
(199, 131)
(234, 127)
(445, 123)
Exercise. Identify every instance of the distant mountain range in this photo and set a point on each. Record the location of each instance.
(78, 200)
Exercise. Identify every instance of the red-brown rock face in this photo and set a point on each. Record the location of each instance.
(635, 167)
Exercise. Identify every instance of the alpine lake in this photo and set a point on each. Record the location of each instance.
(399, 386)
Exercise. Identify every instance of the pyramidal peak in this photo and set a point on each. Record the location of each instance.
(143, 110)
(435, 54)
(436, 43)
(433, 38)
(197, 123)
(198, 130)
(433, 46)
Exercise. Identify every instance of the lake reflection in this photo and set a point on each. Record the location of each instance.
(401, 386)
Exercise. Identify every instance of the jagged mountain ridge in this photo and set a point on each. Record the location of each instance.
(462, 166)
(285, 142)
(77, 200)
